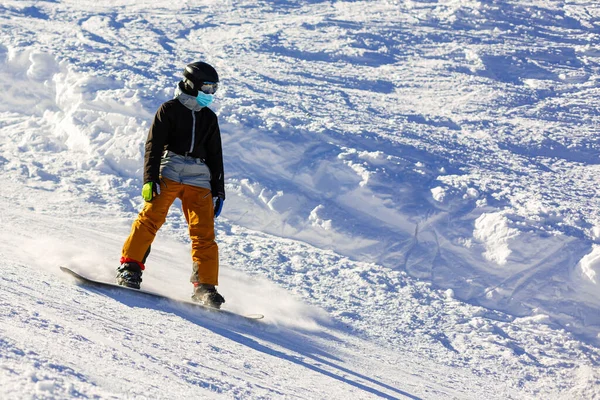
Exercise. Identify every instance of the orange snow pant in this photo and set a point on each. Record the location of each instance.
(198, 209)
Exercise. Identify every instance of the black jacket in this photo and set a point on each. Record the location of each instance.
(174, 129)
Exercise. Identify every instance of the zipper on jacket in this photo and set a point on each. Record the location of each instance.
(193, 132)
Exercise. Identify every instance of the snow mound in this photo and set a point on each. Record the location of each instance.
(493, 230)
(589, 267)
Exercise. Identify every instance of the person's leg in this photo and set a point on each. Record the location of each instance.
(148, 222)
(198, 210)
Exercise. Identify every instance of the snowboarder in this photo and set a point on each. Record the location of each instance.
(183, 159)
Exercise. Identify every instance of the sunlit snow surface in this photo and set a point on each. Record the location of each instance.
(412, 199)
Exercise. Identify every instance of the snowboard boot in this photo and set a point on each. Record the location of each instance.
(207, 295)
(129, 274)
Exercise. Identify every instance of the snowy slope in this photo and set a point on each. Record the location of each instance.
(412, 199)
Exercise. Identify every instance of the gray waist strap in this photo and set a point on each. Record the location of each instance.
(185, 169)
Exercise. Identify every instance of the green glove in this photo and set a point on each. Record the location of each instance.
(150, 190)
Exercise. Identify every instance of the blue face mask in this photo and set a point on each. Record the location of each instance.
(204, 100)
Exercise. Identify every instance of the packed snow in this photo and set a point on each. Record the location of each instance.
(412, 199)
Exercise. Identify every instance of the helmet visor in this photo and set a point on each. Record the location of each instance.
(209, 87)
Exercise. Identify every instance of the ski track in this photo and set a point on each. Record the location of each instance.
(412, 199)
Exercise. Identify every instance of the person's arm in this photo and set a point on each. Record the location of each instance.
(214, 161)
(155, 144)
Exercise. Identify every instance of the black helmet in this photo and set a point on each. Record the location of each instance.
(200, 72)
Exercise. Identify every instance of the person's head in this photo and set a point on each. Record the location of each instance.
(199, 77)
